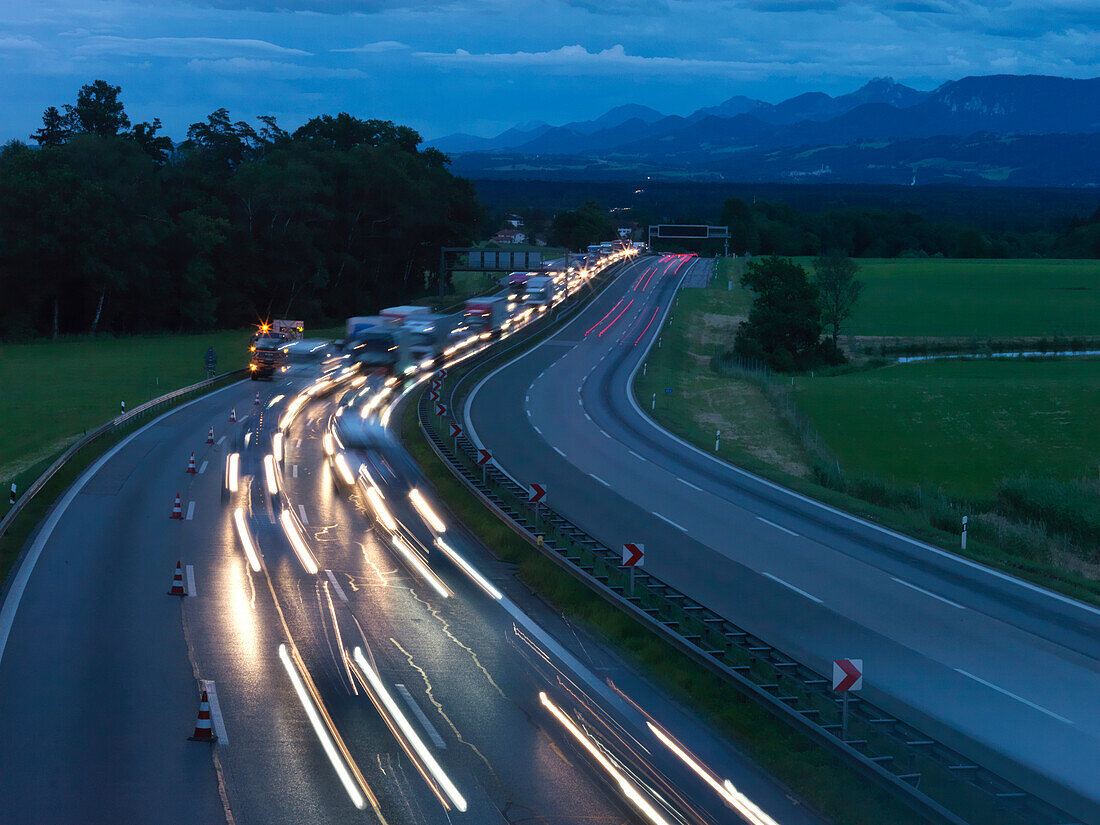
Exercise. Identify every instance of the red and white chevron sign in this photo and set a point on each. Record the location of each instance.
(433, 395)
(440, 409)
(484, 458)
(442, 374)
(847, 674)
(633, 555)
(456, 431)
(437, 383)
(537, 494)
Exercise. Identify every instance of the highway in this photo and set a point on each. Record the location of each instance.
(357, 671)
(1005, 672)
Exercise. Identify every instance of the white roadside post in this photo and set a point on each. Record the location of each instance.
(717, 437)
(11, 498)
(653, 406)
(964, 533)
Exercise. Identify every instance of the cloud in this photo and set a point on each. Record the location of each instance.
(271, 69)
(378, 47)
(194, 47)
(331, 7)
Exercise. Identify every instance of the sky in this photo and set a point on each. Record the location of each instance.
(481, 66)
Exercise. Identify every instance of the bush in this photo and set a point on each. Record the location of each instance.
(1068, 507)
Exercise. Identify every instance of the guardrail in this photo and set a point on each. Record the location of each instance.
(111, 427)
(895, 755)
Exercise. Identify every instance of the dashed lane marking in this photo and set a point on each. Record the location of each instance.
(302, 512)
(215, 712)
(294, 470)
(202, 468)
(559, 452)
(433, 734)
(191, 580)
(1004, 692)
(640, 458)
(790, 586)
(927, 592)
(221, 440)
(190, 510)
(604, 483)
(776, 526)
(536, 428)
(689, 484)
(340, 594)
(670, 521)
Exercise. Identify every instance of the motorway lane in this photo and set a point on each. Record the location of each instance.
(459, 659)
(561, 415)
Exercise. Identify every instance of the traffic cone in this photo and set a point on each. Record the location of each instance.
(177, 582)
(177, 508)
(233, 415)
(257, 401)
(204, 731)
(209, 437)
(191, 461)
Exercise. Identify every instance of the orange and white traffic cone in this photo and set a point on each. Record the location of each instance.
(204, 731)
(233, 415)
(191, 464)
(177, 508)
(209, 437)
(257, 401)
(177, 582)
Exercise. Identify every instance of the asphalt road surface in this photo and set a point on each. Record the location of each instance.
(100, 669)
(1004, 671)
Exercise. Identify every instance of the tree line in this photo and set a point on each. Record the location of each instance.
(111, 226)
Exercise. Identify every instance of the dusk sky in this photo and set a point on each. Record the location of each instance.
(481, 66)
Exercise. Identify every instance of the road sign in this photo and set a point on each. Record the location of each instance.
(433, 395)
(440, 409)
(847, 674)
(537, 493)
(456, 431)
(485, 457)
(437, 384)
(442, 374)
(633, 555)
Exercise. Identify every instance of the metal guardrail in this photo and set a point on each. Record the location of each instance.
(112, 426)
(892, 753)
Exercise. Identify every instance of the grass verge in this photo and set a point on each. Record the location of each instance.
(815, 774)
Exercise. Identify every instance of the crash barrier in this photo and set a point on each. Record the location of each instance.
(932, 778)
(113, 428)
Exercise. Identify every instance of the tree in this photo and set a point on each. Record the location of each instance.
(784, 324)
(98, 110)
(576, 229)
(55, 128)
(145, 136)
(835, 277)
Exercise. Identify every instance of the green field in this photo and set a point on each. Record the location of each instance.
(937, 297)
(962, 424)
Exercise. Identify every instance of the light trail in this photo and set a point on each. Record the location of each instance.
(605, 317)
(408, 731)
(246, 540)
(413, 559)
(640, 337)
(428, 514)
(344, 470)
(469, 569)
(380, 511)
(326, 440)
(353, 791)
(277, 446)
(627, 788)
(299, 545)
(617, 317)
(232, 471)
(269, 475)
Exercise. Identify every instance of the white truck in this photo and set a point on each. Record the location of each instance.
(486, 316)
(429, 336)
(399, 315)
(379, 345)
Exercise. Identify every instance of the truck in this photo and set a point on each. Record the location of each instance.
(289, 330)
(517, 283)
(268, 356)
(541, 291)
(429, 335)
(378, 344)
(398, 315)
(361, 323)
(486, 316)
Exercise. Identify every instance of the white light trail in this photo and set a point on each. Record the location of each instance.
(428, 514)
(469, 569)
(380, 511)
(409, 732)
(269, 475)
(421, 568)
(326, 440)
(322, 733)
(246, 540)
(232, 471)
(344, 469)
(628, 790)
(292, 410)
(299, 545)
(277, 446)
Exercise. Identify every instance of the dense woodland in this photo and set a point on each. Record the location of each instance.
(108, 226)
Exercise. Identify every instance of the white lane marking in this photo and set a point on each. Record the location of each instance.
(21, 574)
(1011, 695)
(190, 510)
(536, 428)
(586, 415)
(297, 443)
(433, 734)
(220, 440)
(191, 580)
(559, 452)
(336, 586)
(527, 399)
(640, 458)
(927, 592)
(604, 483)
(294, 470)
(202, 467)
(603, 432)
(302, 511)
(670, 521)
(215, 712)
(790, 586)
(689, 484)
(528, 411)
(776, 526)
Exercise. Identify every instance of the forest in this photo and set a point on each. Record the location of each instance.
(108, 226)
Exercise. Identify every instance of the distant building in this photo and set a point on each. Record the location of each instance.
(511, 235)
(514, 220)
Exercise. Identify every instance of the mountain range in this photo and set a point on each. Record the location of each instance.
(1014, 129)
